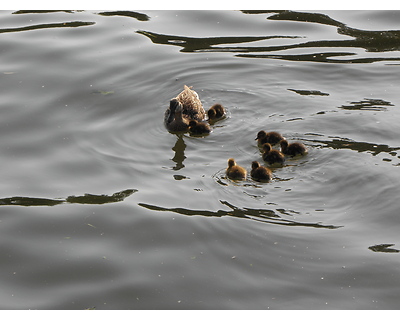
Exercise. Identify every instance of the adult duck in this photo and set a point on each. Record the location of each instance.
(174, 120)
(192, 109)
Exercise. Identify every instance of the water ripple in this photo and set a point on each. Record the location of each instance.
(72, 24)
(85, 199)
(260, 215)
(371, 41)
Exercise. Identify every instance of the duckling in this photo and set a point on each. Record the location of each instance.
(216, 112)
(235, 171)
(198, 128)
(293, 149)
(260, 173)
(174, 120)
(271, 137)
(272, 156)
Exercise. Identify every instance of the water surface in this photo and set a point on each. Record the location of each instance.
(102, 208)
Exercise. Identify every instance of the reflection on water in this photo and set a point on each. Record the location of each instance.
(372, 41)
(300, 16)
(95, 119)
(368, 104)
(191, 44)
(384, 248)
(73, 24)
(261, 215)
(179, 149)
(41, 11)
(130, 14)
(85, 199)
(309, 92)
(344, 143)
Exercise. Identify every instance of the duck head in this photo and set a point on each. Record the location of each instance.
(266, 147)
(170, 114)
(261, 134)
(255, 165)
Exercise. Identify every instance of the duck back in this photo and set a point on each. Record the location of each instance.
(192, 107)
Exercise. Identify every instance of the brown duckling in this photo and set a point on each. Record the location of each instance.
(235, 171)
(198, 128)
(271, 137)
(293, 149)
(216, 112)
(174, 120)
(272, 156)
(260, 173)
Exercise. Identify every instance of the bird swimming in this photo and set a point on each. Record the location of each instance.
(271, 137)
(175, 122)
(216, 112)
(260, 173)
(191, 109)
(198, 128)
(272, 156)
(234, 171)
(293, 149)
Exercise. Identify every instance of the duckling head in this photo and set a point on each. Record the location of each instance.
(211, 113)
(284, 144)
(216, 111)
(192, 123)
(198, 128)
(261, 134)
(231, 162)
(266, 147)
(255, 165)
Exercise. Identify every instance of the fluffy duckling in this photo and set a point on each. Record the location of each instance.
(260, 173)
(216, 112)
(271, 137)
(174, 120)
(234, 171)
(272, 156)
(293, 149)
(198, 128)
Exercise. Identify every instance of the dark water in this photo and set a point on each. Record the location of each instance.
(102, 208)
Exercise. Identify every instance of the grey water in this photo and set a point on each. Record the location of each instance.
(102, 208)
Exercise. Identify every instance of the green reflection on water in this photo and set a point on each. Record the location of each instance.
(261, 215)
(72, 24)
(371, 41)
(85, 199)
(342, 143)
(384, 248)
(191, 44)
(368, 104)
(130, 14)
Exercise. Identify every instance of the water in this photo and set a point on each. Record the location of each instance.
(102, 208)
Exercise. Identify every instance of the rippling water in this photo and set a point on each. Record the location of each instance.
(102, 208)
